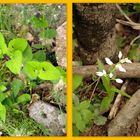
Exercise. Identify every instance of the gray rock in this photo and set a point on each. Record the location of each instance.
(50, 116)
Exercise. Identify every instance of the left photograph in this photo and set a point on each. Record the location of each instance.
(33, 70)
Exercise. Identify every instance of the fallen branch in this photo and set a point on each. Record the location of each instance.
(116, 104)
(126, 117)
(132, 70)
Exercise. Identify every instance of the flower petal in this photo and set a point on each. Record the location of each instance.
(119, 80)
(104, 72)
(100, 74)
(111, 75)
(127, 60)
(108, 61)
(120, 55)
(119, 66)
(122, 61)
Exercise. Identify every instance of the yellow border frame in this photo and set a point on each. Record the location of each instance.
(69, 67)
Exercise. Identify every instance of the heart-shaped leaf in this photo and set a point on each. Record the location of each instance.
(18, 44)
(24, 98)
(49, 72)
(15, 63)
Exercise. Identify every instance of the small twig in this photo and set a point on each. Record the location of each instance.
(137, 37)
(94, 88)
(134, 25)
(117, 102)
(122, 12)
(129, 22)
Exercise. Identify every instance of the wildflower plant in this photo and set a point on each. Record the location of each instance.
(108, 76)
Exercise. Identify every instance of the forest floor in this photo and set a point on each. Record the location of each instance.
(125, 35)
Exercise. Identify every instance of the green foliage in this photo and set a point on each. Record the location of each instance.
(134, 52)
(15, 63)
(17, 44)
(2, 112)
(23, 67)
(49, 72)
(16, 85)
(24, 98)
(50, 33)
(39, 22)
(82, 116)
(39, 55)
(22, 61)
(76, 81)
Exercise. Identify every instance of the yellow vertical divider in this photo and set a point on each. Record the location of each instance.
(69, 69)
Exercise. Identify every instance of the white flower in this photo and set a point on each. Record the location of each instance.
(122, 61)
(104, 72)
(127, 60)
(120, 55)
(100, 74)
(0, 133)
(111, 75)
(108, 61)
(119, 66)
(119, 80)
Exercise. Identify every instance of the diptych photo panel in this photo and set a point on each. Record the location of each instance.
(38, 60)
(106, 78)
(33, 68)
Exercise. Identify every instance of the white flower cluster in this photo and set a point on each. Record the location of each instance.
(117, 66)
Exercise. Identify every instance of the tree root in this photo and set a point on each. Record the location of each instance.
(126, 117)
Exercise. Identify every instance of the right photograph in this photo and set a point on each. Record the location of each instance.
(106, 69)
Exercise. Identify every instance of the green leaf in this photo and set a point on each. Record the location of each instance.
(27, 54)
(50, 33)
(39, 55)
(49, 72)
(63, 74)
(87, 115)
(2, 88)
(106, 83)
(100, 120)
(105, 104)
(31, 69)
(3, 96)
(75, 115)
(83, 105)
(39, 22)
(76, 81)
(3, 47)
(15, 63)
(134, 52)
(75, 131)
(16, 86)
(114, 89)
(80, 125)
(38, 46)
(100, 65)
(2, 112)
(18, 44)
(137, 7)
(24, 98)
(75, 99)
